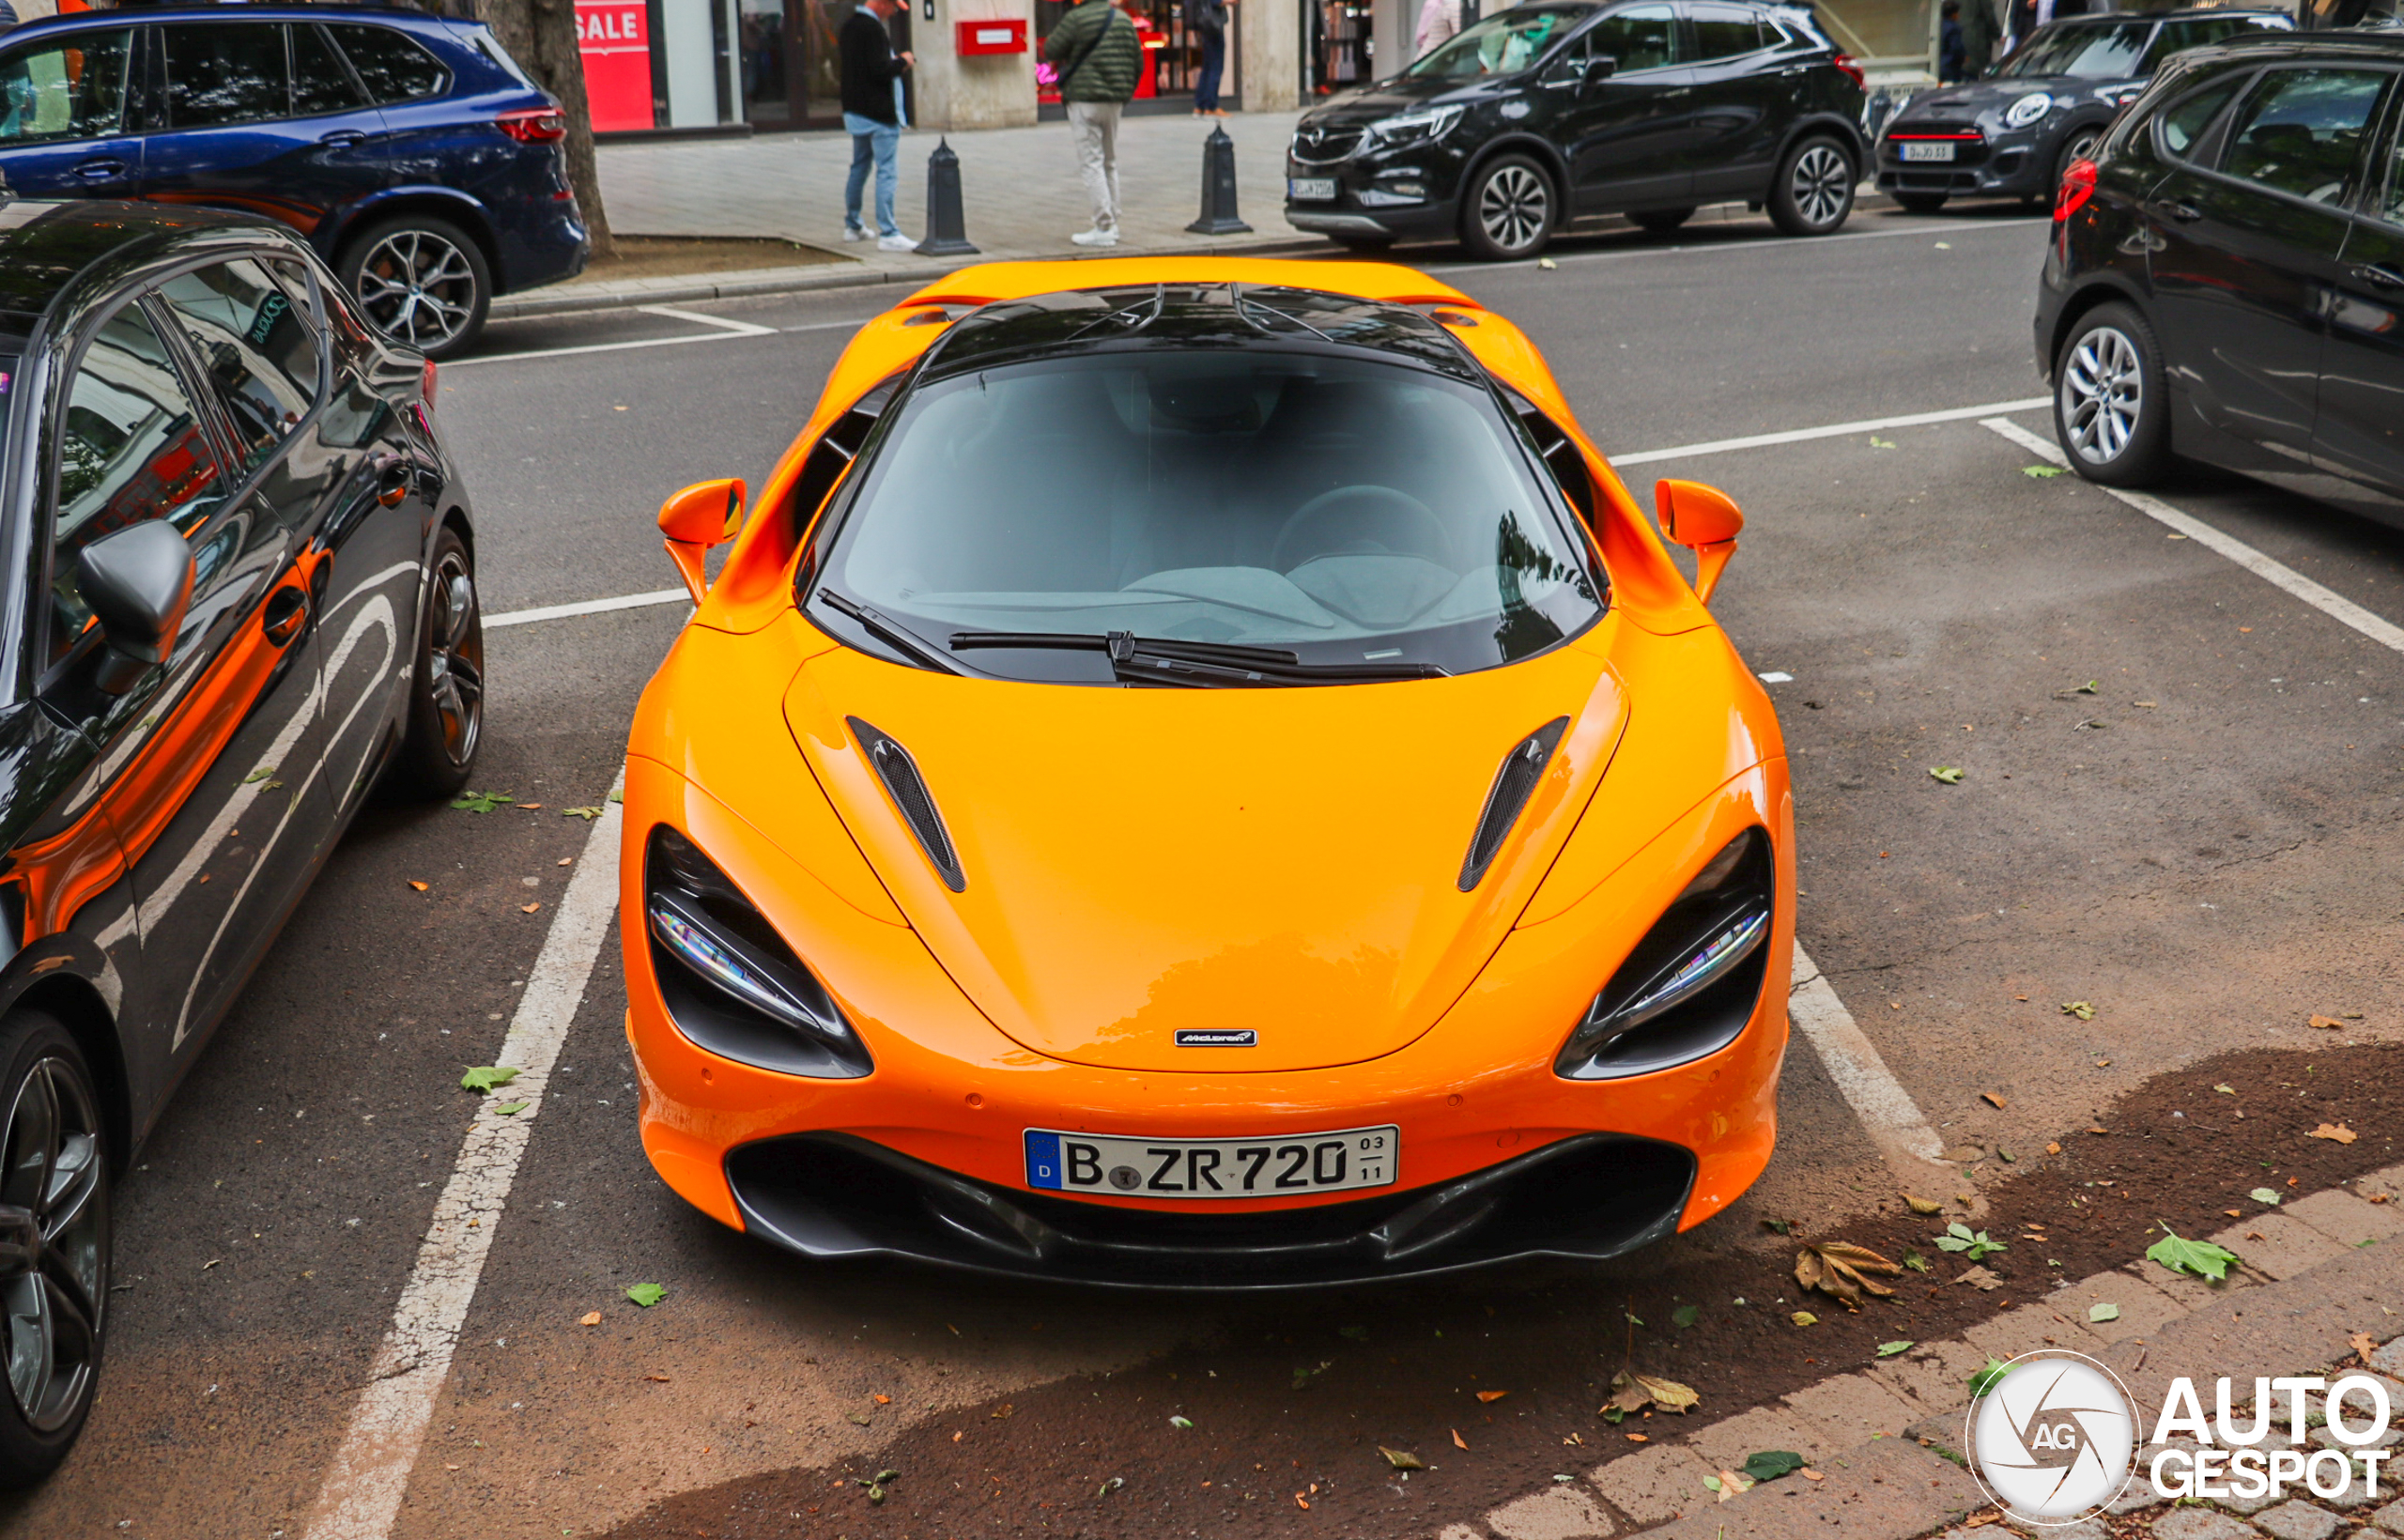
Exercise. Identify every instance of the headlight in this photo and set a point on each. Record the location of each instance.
(1691, 984)
(730, 983)
(1423, 127)
(2026, 111)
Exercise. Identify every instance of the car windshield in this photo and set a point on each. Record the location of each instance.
(2082, 51)
(1350, 515)
(1500, 45)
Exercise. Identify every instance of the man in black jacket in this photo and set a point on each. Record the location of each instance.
(872, 97)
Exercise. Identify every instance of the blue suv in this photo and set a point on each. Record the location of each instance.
(409, 149)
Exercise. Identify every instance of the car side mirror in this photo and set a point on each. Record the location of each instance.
(138, 583)
(1704, 520)
(703, 514)
(1601, 67)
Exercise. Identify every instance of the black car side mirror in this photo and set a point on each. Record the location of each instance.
(138, 583)
(1601, 67)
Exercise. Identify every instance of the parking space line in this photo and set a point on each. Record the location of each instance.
(740, 328)
(362, 1489)
(2333, 605)
(1886, 1110)
(586, 607)
(1834, 430)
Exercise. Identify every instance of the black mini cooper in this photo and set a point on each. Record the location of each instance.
(1549, 111)
(236, 591)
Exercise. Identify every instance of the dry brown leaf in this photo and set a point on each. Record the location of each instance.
(1992, 1100)
(885, 1400)
(2234, 1213)
(657, 1378)
(1844, 1270)
(528, 908)
(1810, 1474)
(2052, 1147)
(1626, 1394)
(1303, 1503)
(1668, 1394)
(1492, 1395)
(1734, 1486)
(2337, 1132)
(2326, 1022)
(1638, 1437)
(1981, 1521)
(1980, 1278)
(419, 885)
(1002, 1410)
(2363, 1346)
(1459, 1443)
(1923, 1206)
(1402, 1459)
(590, 1318)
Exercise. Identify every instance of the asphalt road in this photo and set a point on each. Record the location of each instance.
(2203, 849)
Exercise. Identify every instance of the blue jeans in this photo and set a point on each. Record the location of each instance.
(1205, 80)
(880, 143)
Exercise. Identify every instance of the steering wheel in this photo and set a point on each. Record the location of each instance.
(1362, 520)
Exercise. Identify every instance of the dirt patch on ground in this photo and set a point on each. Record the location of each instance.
(671, 257)
(1288, 1410)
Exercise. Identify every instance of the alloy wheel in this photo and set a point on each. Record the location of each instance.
(456, 664)
(418, 288)
(2102, 394)
(54, 1242)
(1512, 208)
(1819, 182)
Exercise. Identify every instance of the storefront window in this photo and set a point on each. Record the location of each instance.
(1172, 56)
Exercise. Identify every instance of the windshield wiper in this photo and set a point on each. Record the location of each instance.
(894, 636)
(1165, 660)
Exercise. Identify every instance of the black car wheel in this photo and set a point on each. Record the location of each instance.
(1814, 193)
(2109, 410)
(53, 1244)
(447, 690)
(422, 281)
(1510, 210)
(1660, 221)
(1919, 203)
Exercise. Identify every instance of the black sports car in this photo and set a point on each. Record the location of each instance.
(239, 590)
(2013, 133)
(1546, 113)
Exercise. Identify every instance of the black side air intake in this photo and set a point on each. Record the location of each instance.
(908, 789)
(1513, 785)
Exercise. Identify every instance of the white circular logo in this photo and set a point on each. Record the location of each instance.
(2054, 1439)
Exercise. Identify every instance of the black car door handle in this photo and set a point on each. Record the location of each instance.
(393, 478)
(2185, 213)
(344, 139)
(2379, 276)
(101, 171)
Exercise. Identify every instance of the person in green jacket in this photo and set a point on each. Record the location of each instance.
(1098, 55)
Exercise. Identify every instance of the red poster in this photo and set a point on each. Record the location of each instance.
(614, 37)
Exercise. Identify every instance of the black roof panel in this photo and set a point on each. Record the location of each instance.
(44, 245)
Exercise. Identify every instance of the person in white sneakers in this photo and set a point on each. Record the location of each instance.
(872, 94)
(1098, 56)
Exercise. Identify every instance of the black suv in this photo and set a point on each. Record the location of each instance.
(2013, 133)
(2226, 278)
(1547, 112)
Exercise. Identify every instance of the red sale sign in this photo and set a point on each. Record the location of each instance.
(614, 39)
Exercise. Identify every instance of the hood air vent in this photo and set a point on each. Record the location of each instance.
(908, 789)
(1513, 785)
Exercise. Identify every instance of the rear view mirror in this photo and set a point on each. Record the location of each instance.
(1704, 520)
(703, 514)
(1601, 67)
(138, 583)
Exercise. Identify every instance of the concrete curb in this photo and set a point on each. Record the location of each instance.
(2291, 1308)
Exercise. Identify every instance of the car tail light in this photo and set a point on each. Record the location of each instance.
(533, 125)
(2078, 185)
(426, 385)
(1851, 71)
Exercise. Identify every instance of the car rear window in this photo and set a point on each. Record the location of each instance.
(392, 65)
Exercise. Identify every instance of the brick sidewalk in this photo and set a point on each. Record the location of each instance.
(2315, 1272)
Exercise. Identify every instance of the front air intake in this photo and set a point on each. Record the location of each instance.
(908, 789)
(1513, 785)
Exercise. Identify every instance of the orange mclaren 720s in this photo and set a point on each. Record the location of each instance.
(1195, 773)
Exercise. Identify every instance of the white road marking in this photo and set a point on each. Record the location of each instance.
(1777, 676)
(363, 1487)
(2335, 606)
(586, 607)
(1885, 1108)
(723, 331)
(740, 328)
(1834, 430)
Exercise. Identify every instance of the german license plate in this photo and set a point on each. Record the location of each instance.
(1311, 189)
(1212, 1168)
(1928, 152)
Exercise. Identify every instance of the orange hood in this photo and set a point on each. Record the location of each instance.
(1140, 862)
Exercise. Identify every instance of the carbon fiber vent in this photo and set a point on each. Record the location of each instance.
(908, 789)
(1513, 785)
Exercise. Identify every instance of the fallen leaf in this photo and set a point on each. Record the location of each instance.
(1355, 1333)
(1915, 1261)
(1984, 1380)
(2234, 1213)
(1492, 1395)
(1174, 1421)
(2329, 1022)
(2263, 1194)
(1546, 264)
(2363, 1346)
(1844, 1270)
(2226, 1090)
(2079, 1008)
(1781, 1225)
(588, 814)
(1876, 442)
(528, 908)
(2200, 1257)
(1301, 1501)
(647, 1295)
(419, 885)
(261, 773)
(1459, 1443)
(1635, 1437)
(2051, 1148)
(657, 1378)
(1982, 1279)
(1888, 1349)
(590, 1318)
(859, 1418)
(1667, 1395)
(529, 806)
(1949, 775)
(2043, 473)
(1923, 1206)
(1992, 1100)
(2245, 628)
(567, 860)
(487, 1077)
(1770, 1464)
(883, 1400)
(1732, 1486)
(1810, 1474)
(1402, 1459)
(1804, 1317)
(1003, 1410)
(482, 802)
(2337, 1132)
(1116, 1482)
(2101, 1311)
(511, 1109)
(1683, 1317)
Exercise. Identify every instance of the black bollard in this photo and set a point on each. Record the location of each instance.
(946, 226)
(1219, 189)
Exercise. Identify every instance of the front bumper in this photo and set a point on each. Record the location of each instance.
(1367, 203)
(2008, 164)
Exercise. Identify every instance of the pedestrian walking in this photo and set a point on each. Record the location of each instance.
(1208, 23)
(1098, 54)
(1438, 21)
(872, 95)
(1950, 50)
(1980, 32)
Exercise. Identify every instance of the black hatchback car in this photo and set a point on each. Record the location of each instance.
(1549, 111)
(2013, 133)
(2226, 278)
(239, 590)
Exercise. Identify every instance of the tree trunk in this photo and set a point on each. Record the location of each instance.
(541, 36)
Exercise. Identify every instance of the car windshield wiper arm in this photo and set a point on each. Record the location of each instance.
(895, 636)
(1162, 660)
